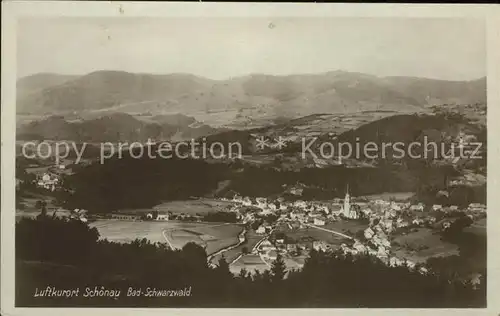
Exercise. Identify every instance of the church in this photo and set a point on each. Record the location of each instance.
(347, 209)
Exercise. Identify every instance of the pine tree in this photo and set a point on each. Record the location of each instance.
(223, 268)
(42, 206)
(278, 269)
(243, 273)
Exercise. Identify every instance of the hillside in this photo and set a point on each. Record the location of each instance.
(112, 128)
(245, 98)
(105, 89)
(41, 81)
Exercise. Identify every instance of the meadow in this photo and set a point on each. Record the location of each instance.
(422, 244)
(250, 262)
(310, 234)
(252, 239)
(212, 236)
(200, 206)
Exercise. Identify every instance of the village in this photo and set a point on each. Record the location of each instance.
(350, 225)
(376, 224)
(290, 226)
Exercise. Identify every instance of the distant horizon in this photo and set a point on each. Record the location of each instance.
(452, 49)
(243, 75)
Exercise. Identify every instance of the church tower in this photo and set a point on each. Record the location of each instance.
(347, 203)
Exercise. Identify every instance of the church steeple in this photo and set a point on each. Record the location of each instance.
(347, 202)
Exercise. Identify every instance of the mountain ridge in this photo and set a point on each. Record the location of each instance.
(272, 95)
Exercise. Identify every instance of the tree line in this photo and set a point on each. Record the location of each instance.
(70, 254)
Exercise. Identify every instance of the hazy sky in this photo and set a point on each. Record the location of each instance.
(220, 48)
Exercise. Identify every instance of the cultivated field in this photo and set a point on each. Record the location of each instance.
(420, 245)
(250, 262)
(310, 234)
(127, 231)
(211, 236)
(251, 240)
(348, 227)
(192, 207)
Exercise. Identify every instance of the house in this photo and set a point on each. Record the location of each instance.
(261, 230)
(417, 207)
(382, 252)
(401, 223)
(319, 245)
(417, 221)
(423, 270)
(477, 207)
(280, 241)
(319, 222)
(396, 262)
(395, 206)
(300, 204)
(48, 181)
(266, 246)
(291, 247)
(369, 233)
(390, 213)
(324, 209)
(359, 247)
(162, 217)
(437, 207)
(367, 212)
(410, 264)
(386, 224)
(125, 217)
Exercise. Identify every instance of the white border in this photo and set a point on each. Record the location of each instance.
(12, 10)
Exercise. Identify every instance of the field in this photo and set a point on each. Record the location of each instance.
(127, 231)
(250, 262)
(189, 207)
(310, 234)
(420, 245)
(251, 240)
(348, 227)
(212, 236)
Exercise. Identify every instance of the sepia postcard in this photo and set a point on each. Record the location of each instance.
(201, 158)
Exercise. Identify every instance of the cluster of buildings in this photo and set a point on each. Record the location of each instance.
(383, 219)
(48, 181)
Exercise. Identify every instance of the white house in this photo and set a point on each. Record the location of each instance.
(359, 247)
(369, 233)
(162, 217)
(437, 207)
(320, 246)
(261, 230)
(319, 222)
(418, 207)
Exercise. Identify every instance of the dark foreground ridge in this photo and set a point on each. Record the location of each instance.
(68, 255)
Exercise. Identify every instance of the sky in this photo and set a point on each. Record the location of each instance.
(221, 48)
